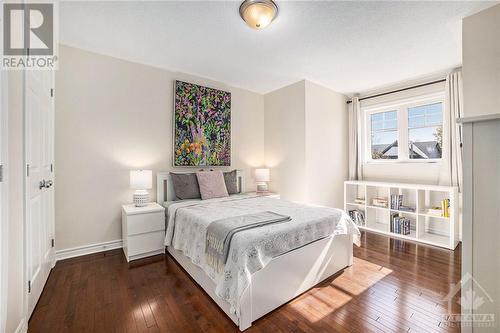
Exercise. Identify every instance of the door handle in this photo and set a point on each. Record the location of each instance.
(48, 183)
(42, 184)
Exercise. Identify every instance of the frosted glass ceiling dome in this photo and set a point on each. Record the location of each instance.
(258, 14)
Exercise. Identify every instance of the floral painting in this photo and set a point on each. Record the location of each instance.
(202, 126)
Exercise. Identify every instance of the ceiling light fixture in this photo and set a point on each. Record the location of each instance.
(258, 14)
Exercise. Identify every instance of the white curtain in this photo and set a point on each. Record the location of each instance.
(452, 132)
(355, 167)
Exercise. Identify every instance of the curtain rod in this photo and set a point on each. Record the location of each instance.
(398, 90)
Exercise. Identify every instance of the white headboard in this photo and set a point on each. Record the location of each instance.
(165, 187)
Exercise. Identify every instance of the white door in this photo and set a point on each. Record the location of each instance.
(3, 203)
(39, 132)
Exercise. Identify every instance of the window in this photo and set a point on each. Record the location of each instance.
(409, 130)
(425, 131)
(384, 135)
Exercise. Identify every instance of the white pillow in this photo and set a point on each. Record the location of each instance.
(212, 184)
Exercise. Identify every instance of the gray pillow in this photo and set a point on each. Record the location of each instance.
(185, 185)
(231, 180)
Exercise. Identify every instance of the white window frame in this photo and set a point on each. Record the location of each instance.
(401, 106)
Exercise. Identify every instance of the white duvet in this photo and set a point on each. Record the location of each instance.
(252, 249)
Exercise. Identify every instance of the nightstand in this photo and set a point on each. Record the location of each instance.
(143, 230)
(267, 195)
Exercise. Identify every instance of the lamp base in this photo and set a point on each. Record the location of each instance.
(262, 187)
(141, 198)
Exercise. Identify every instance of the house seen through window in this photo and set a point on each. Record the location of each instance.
(384, 127)
(411, 131)
(425, 131)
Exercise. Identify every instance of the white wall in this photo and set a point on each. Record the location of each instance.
(306, 143)
(112, 116)
(481, 62)
(284, 125)
(15, 294)
(326, 146)
(424, 173)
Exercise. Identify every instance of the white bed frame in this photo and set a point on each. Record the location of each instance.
(283, 279)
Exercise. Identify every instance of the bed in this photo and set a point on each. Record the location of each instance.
(261, 276)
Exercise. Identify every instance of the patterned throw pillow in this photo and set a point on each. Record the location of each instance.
(212, 184)
(185, 186)
(231, 180)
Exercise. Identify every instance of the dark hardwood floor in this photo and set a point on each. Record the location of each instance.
(393, 286)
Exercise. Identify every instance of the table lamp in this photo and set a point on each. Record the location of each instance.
(141, 181)
(261, 178)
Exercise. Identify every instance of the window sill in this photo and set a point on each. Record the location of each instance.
(403, 162)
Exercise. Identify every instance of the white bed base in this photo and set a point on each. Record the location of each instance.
(283, 279)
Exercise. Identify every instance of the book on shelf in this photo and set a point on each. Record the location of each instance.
(360, 201)
(445, 206)
(379, 202)
(437, 211)
(357, 216)
(400, 224)
(443, 211)
(397, 203)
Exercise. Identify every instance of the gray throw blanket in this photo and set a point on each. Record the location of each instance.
(220, 233)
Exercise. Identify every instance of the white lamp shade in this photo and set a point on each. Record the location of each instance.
(141, 179)
(262, 175)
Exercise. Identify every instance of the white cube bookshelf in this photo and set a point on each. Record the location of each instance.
(424, 227)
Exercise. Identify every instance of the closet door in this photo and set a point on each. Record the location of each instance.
(481, 229)
(39, 141)
(485, 226)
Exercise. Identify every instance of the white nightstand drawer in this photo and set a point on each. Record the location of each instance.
(142, 223)
(145, 243)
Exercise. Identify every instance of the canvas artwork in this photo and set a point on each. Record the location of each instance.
(202, 126)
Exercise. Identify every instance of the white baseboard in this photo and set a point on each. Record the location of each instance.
(22, 328)
(88, 249)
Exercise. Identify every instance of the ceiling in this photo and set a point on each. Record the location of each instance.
(346, 46)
